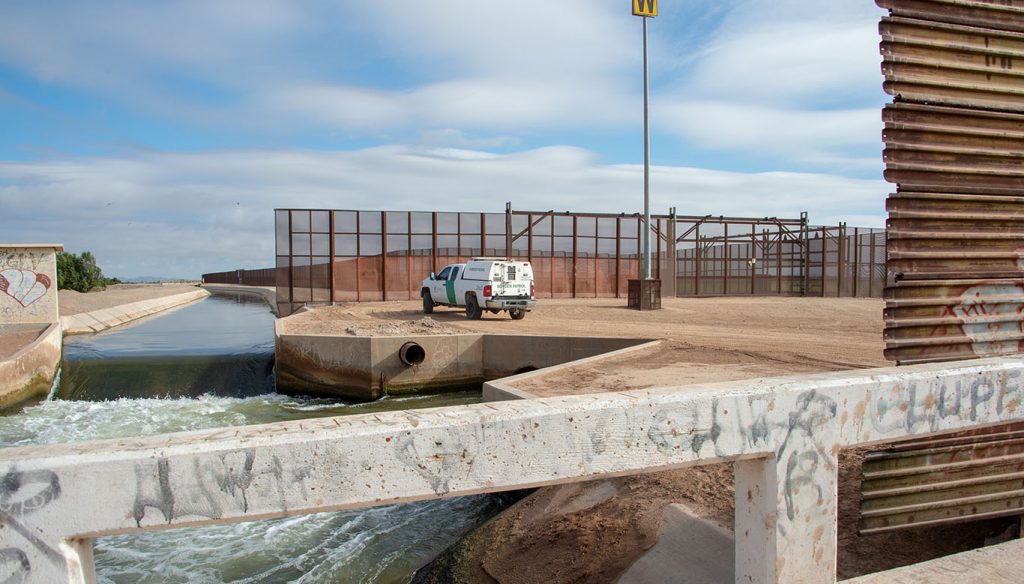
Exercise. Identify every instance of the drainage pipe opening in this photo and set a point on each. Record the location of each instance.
(412, 354)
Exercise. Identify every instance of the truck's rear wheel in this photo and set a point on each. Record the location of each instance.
(517, 313)
(473, 311)
(428, 303)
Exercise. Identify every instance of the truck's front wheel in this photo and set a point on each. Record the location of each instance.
(428, 302)
(517, 313)
(473, 311)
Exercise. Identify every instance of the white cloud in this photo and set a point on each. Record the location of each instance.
(819, 137)
(523, 70)
(184, 214)
(457, 138)
(789, 80)
(478, 103)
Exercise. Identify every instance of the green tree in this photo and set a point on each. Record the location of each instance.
(80, 273)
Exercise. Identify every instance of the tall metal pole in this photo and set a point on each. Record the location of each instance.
(647, 173)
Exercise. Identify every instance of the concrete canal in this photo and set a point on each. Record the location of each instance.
(209, 365)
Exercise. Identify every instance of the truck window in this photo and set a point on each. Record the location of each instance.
(444, 273)
(455, 273)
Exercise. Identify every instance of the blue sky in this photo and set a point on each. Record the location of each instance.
(161, 135)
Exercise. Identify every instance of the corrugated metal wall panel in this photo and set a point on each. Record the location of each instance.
(945, 479)
(996, 14)
(954, 145)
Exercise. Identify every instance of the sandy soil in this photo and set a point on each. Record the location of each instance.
(673, 363)
(424, 325)
(72, 302)
(591, 532)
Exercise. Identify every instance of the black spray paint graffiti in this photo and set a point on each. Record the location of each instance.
(210, 488)
(21, 495)
(754, 419)
(796, 433)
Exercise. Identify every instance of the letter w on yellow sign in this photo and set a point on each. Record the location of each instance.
(645, 8)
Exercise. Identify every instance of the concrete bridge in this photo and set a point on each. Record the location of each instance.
(782, 435)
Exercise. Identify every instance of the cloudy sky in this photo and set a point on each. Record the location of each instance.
(161, 135)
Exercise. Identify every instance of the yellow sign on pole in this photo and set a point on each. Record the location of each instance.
(648, 8)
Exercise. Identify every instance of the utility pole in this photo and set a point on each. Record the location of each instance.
(646, 9)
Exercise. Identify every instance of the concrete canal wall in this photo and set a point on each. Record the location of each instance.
(103, 319)
(30, 371)
(28, 303)
(267, 293)
(368, 367)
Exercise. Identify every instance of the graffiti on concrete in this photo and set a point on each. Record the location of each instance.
(21, 495)
(15, 564)
(920, 406)
(211, 488)
(25, 286)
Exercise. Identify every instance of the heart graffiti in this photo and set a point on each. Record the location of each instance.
(25, 286)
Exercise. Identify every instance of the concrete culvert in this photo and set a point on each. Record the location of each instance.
(412, 353)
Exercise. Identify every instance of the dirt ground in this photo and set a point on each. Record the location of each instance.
(673, 363)
(71, 302)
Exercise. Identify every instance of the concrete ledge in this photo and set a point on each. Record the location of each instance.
(268, 294)
(98, 320)
(502, 389)
(30, 371)
(995, 564)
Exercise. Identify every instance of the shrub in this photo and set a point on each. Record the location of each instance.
(80, 273)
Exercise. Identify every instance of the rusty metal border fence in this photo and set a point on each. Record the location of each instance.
(326, 256)
(770, 256)
(259, 277)
(954, 142)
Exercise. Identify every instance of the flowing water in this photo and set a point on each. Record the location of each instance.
(207, 365)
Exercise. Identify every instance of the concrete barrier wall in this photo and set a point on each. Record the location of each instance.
(369, 367)
(506, 355)
(31, 371)
(783, 436)
(99, 320)
(28, 283)
(268, 294)
(324, 365)
(450, 360)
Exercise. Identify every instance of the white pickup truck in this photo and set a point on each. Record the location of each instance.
(492, 284)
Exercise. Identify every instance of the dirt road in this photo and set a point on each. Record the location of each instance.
(72, 302)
